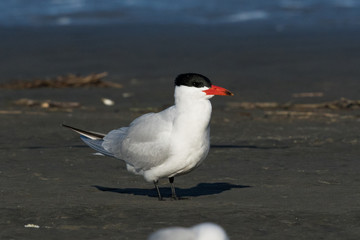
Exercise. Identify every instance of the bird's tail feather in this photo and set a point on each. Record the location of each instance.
(88, 134)
(92, 139)
(96, 144)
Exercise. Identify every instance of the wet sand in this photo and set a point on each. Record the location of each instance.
(267, 176)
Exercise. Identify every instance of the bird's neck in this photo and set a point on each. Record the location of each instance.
(193, 114)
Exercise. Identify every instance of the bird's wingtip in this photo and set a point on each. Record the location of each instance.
(84, 137)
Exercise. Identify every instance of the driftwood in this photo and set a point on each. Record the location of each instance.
(67, 81)
(300, 115)
(46, 103)
(343, 103)
(10, 112)
(308, 94)
(253, 105)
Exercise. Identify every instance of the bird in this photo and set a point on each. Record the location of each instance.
(203, 231)
(168, 143)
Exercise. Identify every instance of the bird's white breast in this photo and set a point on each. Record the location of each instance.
(189, 140)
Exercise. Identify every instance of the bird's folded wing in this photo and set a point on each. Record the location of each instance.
(145, 143)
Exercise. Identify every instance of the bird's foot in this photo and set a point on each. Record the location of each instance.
(175, 198)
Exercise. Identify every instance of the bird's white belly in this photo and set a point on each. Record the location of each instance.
(181, 161)
(190, 162)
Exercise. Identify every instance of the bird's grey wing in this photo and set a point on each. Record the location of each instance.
(145, 143)
(96, 144)
(174, 233)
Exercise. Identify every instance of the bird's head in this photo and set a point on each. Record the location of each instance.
(197, 85)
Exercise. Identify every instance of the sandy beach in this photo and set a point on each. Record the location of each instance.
(272, 173)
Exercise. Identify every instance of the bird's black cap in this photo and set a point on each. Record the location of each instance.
(192, 80)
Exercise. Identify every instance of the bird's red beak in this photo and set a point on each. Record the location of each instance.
(215, 90)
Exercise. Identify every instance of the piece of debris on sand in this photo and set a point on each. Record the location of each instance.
(66, 81)
(107, 102)
(46, 104)
(341, 104)
(308, 94)
(334, 110)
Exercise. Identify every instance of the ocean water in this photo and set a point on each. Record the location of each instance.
(95, 12)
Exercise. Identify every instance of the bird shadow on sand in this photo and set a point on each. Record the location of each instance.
(245, 146)
(230, 146)
(202, 189)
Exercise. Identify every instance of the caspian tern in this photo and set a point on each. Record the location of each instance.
(165, 144)
(203, 231)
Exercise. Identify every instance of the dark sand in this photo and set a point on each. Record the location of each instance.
(267, 176)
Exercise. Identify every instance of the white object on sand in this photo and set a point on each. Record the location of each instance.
(30, 225)
(107, 101)
(203, 231)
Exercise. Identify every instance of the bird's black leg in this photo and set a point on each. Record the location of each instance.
(173, 193)
(158, 190)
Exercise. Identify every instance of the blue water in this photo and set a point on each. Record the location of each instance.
(97, 12)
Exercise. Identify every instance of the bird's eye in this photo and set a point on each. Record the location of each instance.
(197, 84)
